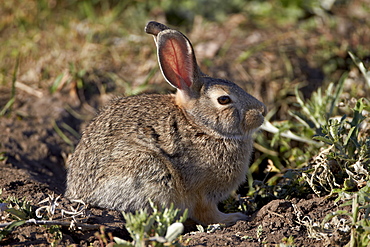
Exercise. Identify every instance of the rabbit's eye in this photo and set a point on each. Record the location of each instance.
(224, 100)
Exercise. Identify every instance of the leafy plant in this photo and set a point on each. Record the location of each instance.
(348, 154)
(342, 168)
(307, 120)
(347, 161)
(340, 151)
(19, 210)
(287, 242)
(159, 227)
(359, 215)
(259, 232)
(8, 229)
(352, 226)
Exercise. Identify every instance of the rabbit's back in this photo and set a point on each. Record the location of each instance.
(115, 159)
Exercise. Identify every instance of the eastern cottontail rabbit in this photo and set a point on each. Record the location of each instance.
(191, 148)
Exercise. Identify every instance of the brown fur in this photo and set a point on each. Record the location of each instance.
(185, 148)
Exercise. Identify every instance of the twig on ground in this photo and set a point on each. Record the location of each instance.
(79, 226)
(28, 89)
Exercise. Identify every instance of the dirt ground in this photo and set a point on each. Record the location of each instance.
(35, 168)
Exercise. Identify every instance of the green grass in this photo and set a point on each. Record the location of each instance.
(9, 104)
(161, 227)
(338, 167)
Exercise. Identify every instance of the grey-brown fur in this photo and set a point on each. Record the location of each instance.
(184, 148)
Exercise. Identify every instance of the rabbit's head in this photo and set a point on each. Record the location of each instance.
(218, 106)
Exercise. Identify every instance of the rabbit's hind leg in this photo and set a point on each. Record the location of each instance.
(136, 179)
(207, 213)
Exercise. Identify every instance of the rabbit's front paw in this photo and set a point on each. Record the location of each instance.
(207, 214)
(232, 218)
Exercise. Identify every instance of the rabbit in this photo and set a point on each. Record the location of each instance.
(191, 148)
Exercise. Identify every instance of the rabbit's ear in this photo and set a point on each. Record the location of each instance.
(177, 61)
(154, 28)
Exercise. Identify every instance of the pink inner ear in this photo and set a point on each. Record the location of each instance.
(176, 62)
